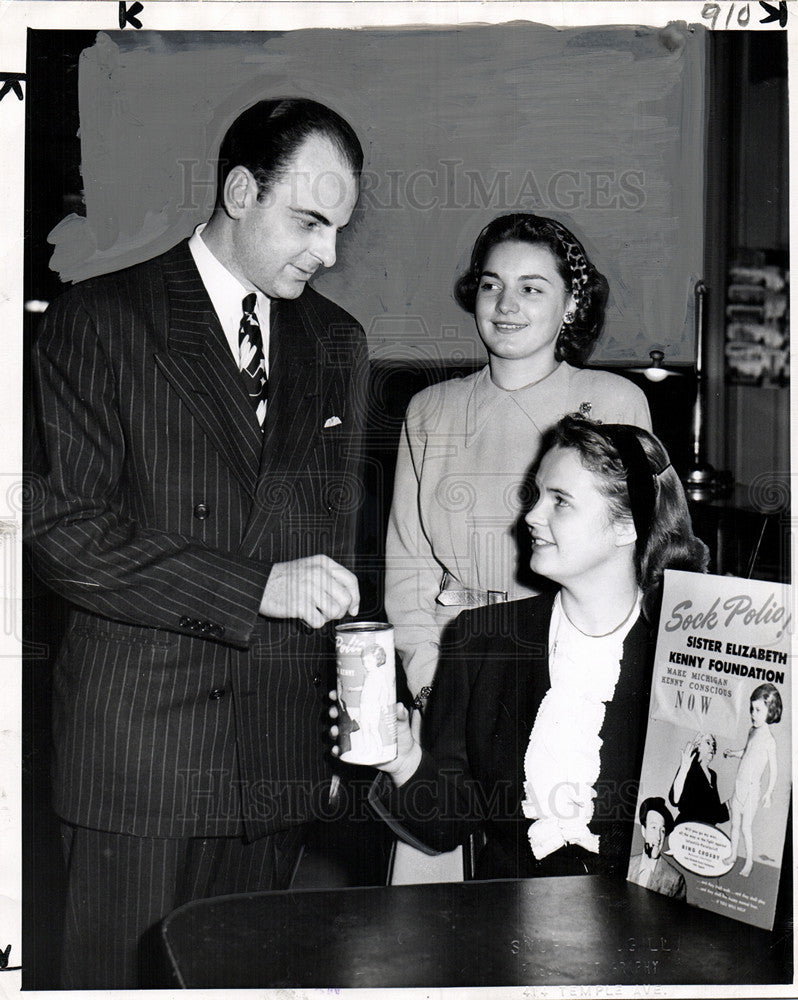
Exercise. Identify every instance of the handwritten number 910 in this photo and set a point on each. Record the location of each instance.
(711, 12)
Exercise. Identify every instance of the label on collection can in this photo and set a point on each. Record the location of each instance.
(366, 683)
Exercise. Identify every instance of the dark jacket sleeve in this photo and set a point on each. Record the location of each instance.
(700, 800)
(440, 805)
(84, 541)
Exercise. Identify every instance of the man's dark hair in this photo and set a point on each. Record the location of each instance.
(657, 803)
(265, 137)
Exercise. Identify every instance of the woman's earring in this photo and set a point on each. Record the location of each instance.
(569, 317)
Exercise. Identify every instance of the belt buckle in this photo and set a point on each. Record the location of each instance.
(497, 596)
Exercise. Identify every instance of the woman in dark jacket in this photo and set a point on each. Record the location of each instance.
(535, 728)
(694, 791)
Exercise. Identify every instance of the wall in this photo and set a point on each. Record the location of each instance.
(599, 127)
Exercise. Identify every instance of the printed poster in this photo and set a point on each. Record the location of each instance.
(716, 778)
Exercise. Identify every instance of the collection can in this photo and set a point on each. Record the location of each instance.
(366, 684)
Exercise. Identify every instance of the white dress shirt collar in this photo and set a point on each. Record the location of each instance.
(227, 293)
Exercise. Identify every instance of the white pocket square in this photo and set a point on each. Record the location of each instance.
(332, 422)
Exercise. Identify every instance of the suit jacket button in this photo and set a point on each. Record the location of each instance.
(216, 695)
(202, 510)
(185, 622)
(217, 631)
(317, 679)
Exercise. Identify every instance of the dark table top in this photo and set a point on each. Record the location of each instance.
(556, 931)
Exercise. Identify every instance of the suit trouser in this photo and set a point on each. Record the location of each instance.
(119, 887)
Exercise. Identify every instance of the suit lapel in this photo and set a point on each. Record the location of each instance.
(297, 382)
(296, 379)
(201, 369)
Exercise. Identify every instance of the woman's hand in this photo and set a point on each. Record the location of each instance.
(689, 749)
(688, 752)
(408, 751)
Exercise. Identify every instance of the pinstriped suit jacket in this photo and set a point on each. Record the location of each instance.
(178, 710)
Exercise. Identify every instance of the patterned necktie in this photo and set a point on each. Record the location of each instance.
(251, 360)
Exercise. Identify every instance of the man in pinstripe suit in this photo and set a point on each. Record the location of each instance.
(201, 540)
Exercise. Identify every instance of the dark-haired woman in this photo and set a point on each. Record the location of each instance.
(467, 443)
(535, 727)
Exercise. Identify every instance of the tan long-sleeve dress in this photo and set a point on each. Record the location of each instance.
(465, 448)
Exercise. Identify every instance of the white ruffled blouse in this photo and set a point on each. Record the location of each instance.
(562, 761)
